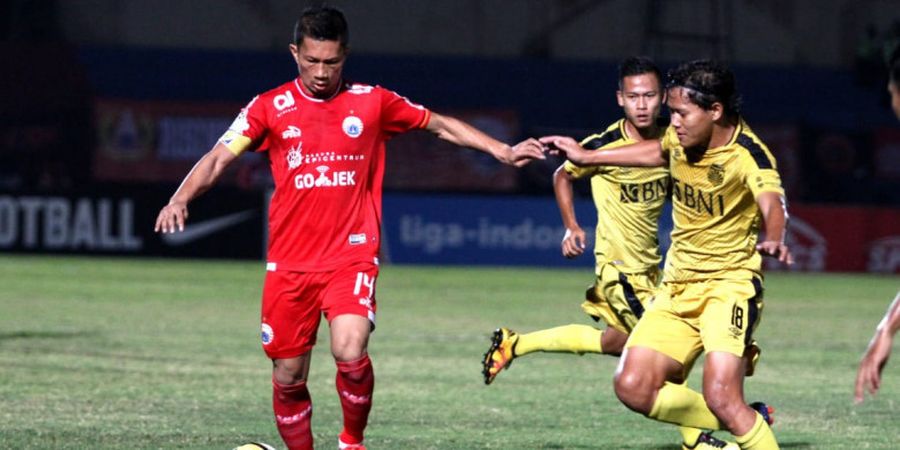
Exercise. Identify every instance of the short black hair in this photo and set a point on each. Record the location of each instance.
(322, 23)
(638, 65)
(706, 82)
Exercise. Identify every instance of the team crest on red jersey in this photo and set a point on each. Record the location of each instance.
(352, 126)
(267, 334)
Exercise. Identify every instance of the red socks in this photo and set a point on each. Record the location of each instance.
(293, 411)
(355, 382)
(292, 404)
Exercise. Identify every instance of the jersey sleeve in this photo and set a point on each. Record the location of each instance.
(398, 114)
(577, 171)
(669, 141)
(763, 180)
(248, 128)
(759, 168)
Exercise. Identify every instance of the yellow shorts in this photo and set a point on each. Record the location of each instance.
(619, 299)
(710, 315)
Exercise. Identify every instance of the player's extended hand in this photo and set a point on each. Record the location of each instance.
(171, 218)
(573, 242)
(524, 152)
(868, 377)
(567, 146)
(776, 250)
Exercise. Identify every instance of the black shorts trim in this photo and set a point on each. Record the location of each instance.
(753, 310)
(633, 302)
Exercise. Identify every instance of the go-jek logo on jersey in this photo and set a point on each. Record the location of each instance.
(291, 132)
(325, 179)
(352, 126)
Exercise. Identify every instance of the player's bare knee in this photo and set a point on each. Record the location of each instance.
(634, 390)
(348, 349)
(288, 371)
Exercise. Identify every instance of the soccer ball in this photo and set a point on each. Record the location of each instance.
(255, 446)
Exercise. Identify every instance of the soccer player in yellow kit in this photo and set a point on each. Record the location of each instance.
(629, 201)
(725, 186)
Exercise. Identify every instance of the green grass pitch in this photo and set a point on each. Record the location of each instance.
(123, 353)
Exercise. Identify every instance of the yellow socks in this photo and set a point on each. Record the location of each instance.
(567, 338)
(690, 435)
(760, 437)
(677, 404)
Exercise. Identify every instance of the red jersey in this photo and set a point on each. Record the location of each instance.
(327, 160)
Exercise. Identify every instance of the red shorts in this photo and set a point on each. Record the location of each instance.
(293, 303)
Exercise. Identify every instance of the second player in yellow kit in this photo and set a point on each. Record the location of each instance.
(629, 202)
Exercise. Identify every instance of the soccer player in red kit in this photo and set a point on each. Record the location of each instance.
(325, 140)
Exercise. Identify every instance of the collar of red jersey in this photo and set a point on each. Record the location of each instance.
(341, 87)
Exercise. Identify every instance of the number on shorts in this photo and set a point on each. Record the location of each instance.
(737, 316)
(363, 280)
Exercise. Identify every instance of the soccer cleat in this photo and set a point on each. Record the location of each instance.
(766, 411)
(345, 446)
(707, 441)
(751, 353)
(501, 353)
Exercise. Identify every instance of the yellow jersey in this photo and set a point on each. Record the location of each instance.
(629, 201)
(716, 218)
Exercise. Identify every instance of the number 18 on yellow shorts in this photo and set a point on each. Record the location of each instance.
(690, 317)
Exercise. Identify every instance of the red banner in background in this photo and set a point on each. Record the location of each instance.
(843, 239)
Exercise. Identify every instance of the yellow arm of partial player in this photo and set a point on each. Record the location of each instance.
(461, 133)
(203, 176)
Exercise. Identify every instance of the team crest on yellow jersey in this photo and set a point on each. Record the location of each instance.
(716, 174)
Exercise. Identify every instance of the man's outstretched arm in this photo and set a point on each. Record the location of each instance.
(643, 154)
(461, 133)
